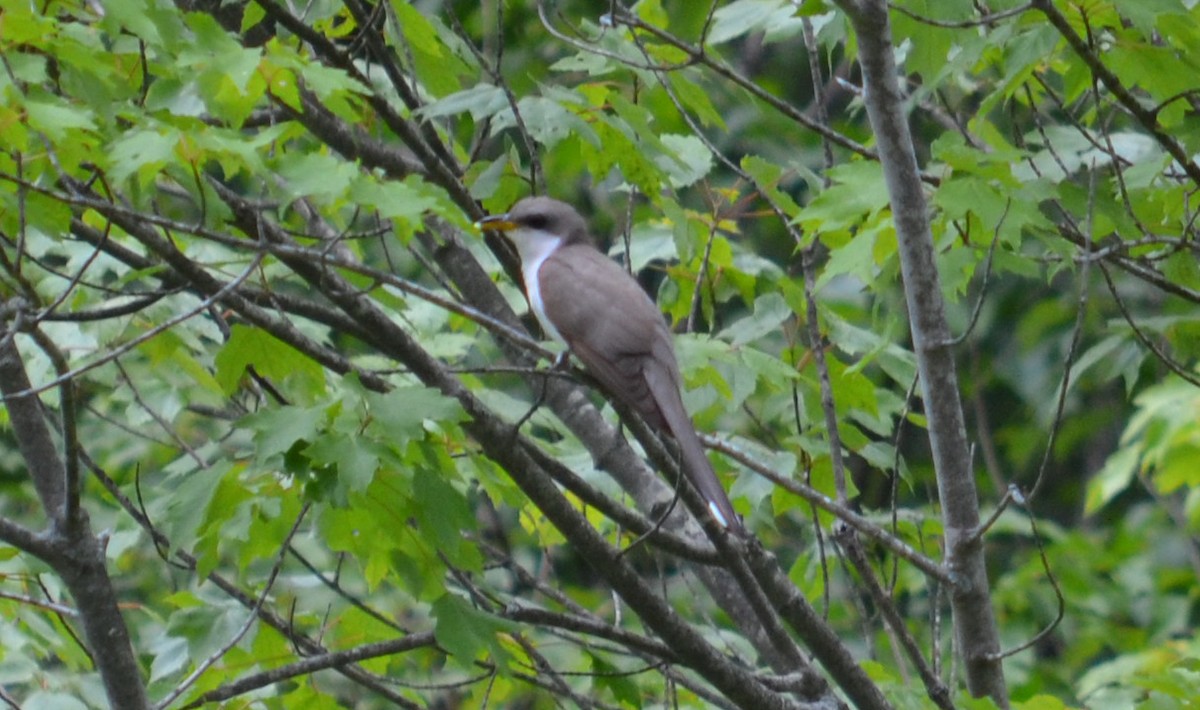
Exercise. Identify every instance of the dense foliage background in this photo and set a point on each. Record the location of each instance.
(275, 460)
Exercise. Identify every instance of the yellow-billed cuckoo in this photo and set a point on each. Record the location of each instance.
(586, 301)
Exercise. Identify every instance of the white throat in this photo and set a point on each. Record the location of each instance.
(535, 246)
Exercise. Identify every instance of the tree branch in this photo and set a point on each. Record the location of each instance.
(1144, 116)
(69, 546)
(497, 440)
(974, 620)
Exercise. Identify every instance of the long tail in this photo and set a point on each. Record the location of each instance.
(695, 463)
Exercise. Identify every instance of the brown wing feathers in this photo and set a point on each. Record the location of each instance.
(620, 336)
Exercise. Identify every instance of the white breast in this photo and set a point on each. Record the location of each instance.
(535, 246)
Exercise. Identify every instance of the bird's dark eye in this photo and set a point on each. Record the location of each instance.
(537, 221)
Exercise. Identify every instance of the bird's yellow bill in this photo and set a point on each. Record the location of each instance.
(496, 222)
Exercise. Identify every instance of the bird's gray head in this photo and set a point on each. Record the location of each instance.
(541, 214)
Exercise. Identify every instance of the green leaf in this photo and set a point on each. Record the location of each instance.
(272, 358)
(28, 68)
(354, 463)
(402, 413)
(174, 96)
(1181, 268)
(617, 150)
(694, 97)
(277, 430)
(770, 311)
(612, 679)
(856, 257)
(467, 633)
(439, 70)
(42, 700)
(141, 152)
(327, 82)
(1112, 479)
(928, 51)
(481, 101)
(858, 190)
(743, 16)
(134, 16)
(1041, 702)
(591, 63)
(252, 14)
(547, 121)
(444, 512)
(648, 242)
(417, 29)
(171, 656)
(316, 175)
(689, 160)
(187, 506)
(56, 119)
(405, 203)
(767, 176)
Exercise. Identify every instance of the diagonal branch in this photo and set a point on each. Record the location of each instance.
(1147, 117)
(496, 439)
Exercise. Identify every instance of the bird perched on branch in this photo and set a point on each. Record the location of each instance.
(586, 301)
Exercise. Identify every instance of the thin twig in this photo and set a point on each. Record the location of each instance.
(936, 690)
(854, 520)
(60, 609)
(152, 333)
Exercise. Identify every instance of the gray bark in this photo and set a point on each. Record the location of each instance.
(68, 545)
(976, 635)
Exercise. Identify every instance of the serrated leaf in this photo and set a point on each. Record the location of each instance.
(356, 464)
(271, 358)
(481, 101)
(171, 655)
(770, 311)
(689, 160)
(856, 257)
(1112, 479)
(401, 414)
(327, 82)
(316, 174)
(444, 512)
(744, 16)
(766, 178)
(547, 121)
(405, 202)
(858, 189)
(174, 96)
(134, 16)
(438, 70)
(615, 149)
(190, 497)
(692, 95)
(276, 430)
(466, 632)
(55, 119)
